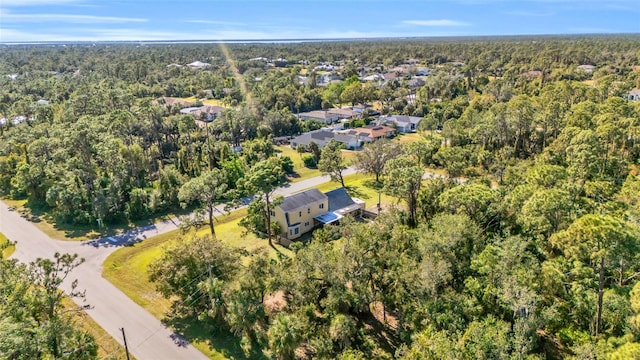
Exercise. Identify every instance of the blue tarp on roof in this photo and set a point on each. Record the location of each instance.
(327, 218)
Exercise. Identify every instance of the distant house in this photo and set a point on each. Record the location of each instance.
(373, 78)
(588, 69)
(189, 110)
(422, 72)
(198, 65)
(328, 78)
(302, 212)
(169, 101)
(319, 115)
(302, 80)
(344, 113)
(174, 65)
(389, 76)
(416, 83)
(206, 113)
(402, 123)
(633, 95)
(532, 74)
(42, 102)
(372, 132)
(322, 137)
(15, 121)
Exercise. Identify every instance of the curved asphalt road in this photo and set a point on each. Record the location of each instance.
(147, 338)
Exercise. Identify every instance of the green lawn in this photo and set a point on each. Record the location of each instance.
(408, 137)
(362, 187)
(301, 172)
(9, 250)
(127, 268)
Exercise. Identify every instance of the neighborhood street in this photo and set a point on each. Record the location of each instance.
(147, 338)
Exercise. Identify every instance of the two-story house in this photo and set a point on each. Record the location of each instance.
(296, 213)
(302, 212)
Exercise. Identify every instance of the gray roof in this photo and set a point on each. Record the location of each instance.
(402, 119)
(321, 137)
(302, 199)
(339, 199)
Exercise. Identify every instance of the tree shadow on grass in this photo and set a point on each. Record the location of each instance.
(354, 191)
(372, 184)
(222, 341)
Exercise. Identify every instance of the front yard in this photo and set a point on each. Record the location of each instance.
(127, 269)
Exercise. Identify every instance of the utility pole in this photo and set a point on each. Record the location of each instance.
(126, 348)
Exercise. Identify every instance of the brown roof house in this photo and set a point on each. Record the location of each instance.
(372, 132)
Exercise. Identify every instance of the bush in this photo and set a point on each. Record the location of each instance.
(287, 165)
(310, 162)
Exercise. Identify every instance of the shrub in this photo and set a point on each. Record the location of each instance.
(310, 162)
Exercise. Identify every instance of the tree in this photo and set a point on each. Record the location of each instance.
(33, 322)
(284, 336)
(404, 180)
(262, 180)
(600, 241)
(207, 190)
(352, 94)
(331, 161)
(315, 150)
(190, 269)
(373, 158)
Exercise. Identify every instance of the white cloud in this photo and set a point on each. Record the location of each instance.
(7, 3)
(440, 22)
(216, 22)
(9, 17)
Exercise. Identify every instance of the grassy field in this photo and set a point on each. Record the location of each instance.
(9, 250)
(301, 172)
(362, 187)
(408, 138)
(216, 102)
(108, 347)
(127, 269)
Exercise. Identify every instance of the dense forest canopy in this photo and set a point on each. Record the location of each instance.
(534, 254)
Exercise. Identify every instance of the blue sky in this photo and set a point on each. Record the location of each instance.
(96, 20)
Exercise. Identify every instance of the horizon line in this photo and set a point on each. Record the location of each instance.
(284, 40)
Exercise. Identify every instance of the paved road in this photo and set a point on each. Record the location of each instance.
(146, 336)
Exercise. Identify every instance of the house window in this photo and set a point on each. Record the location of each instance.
(297, 231)
(309, 211)
(291, 232)
(321, 206)
(306, 224)
(272, 213)
(300, 213)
